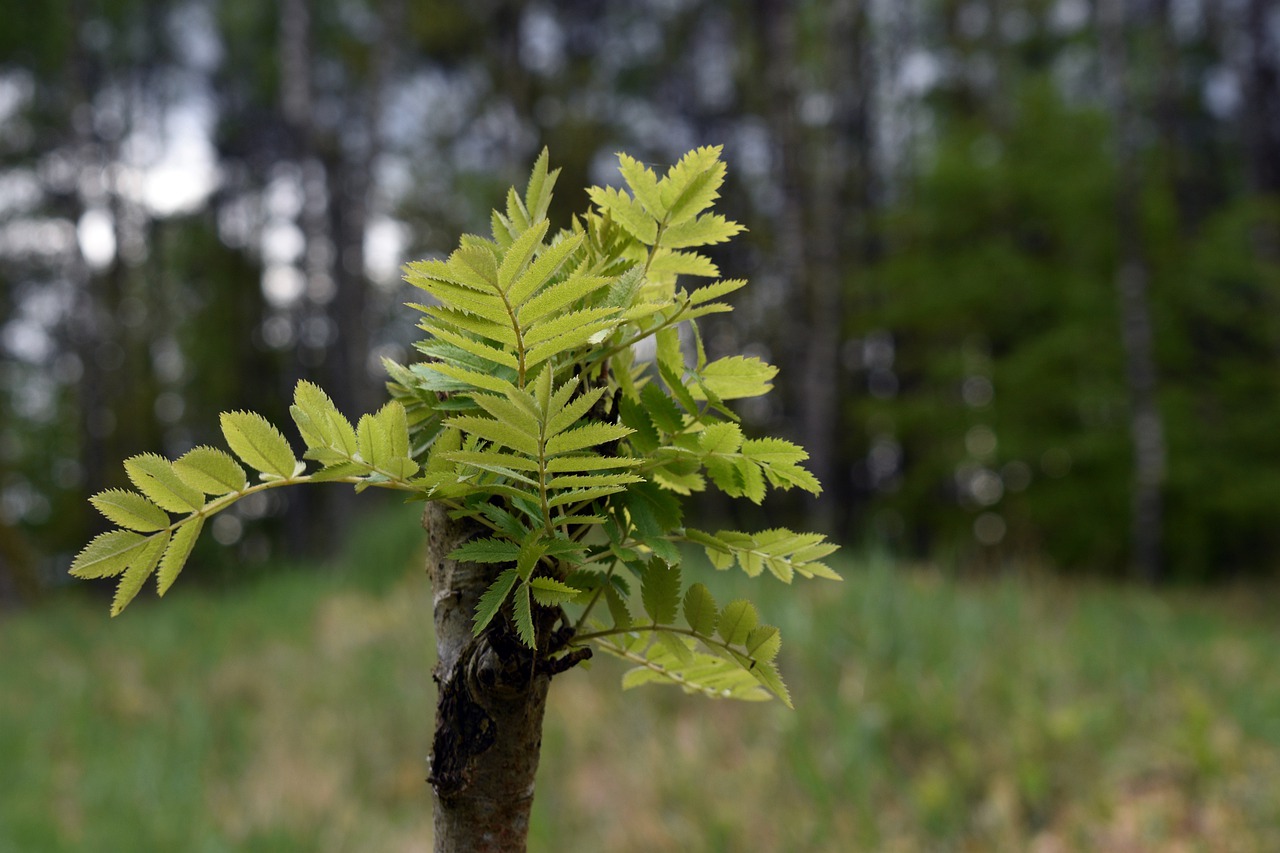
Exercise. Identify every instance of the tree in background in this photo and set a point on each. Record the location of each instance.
(999, 418)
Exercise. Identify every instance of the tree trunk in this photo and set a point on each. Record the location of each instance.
(1132, 282)
(492, 692)
(1261, 115)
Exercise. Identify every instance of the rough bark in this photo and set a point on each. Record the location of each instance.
(492, 692)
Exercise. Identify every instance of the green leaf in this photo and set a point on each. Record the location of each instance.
(643, 184)
(751, 479)
(479, 349)
(700, 610)
(670, 356)
(537, 197)
(494, 460)
(588, 435)
(511, 414)
(702, 231)
(395, 423)
(767, 674)
(212, 471)
(490, 308)
(660, 591)
(252, 437)
(516, 213)
(678, 647)
(559, 296)
(675, 384)
(141, 565)
(715, 290)
(550, 592)
(722, 438)
(505, 521)
(654, 511)
(491, 601)
(644, 437)
(518, 255)
(523, 612)
(532, 549)
(373, 441)
(735, 377)
(712, 676)
(780, 461)
(319, 420)
(107, 554)
(571, 324)
(474, 265)
(626, 212)
(453, 318)
(737, 621)
(130, 510)
(340, 471)
(582, 481)
(471, 380)
(535, 279)
(624, 289)
(662, 409)
(154, 477)
(724, 473)
(763, 643)
(618, 609)
(176, 555)
(693, 184)
(496, 432)
(818, 570)
(572, 337)
(583, 495)
(566, 416)
(485, 551)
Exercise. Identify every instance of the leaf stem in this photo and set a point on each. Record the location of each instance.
(654, 628)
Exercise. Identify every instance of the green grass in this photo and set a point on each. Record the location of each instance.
(294, 713)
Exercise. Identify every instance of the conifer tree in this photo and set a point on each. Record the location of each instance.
(555, 457)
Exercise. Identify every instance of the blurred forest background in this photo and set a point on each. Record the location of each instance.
(1019, 260)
